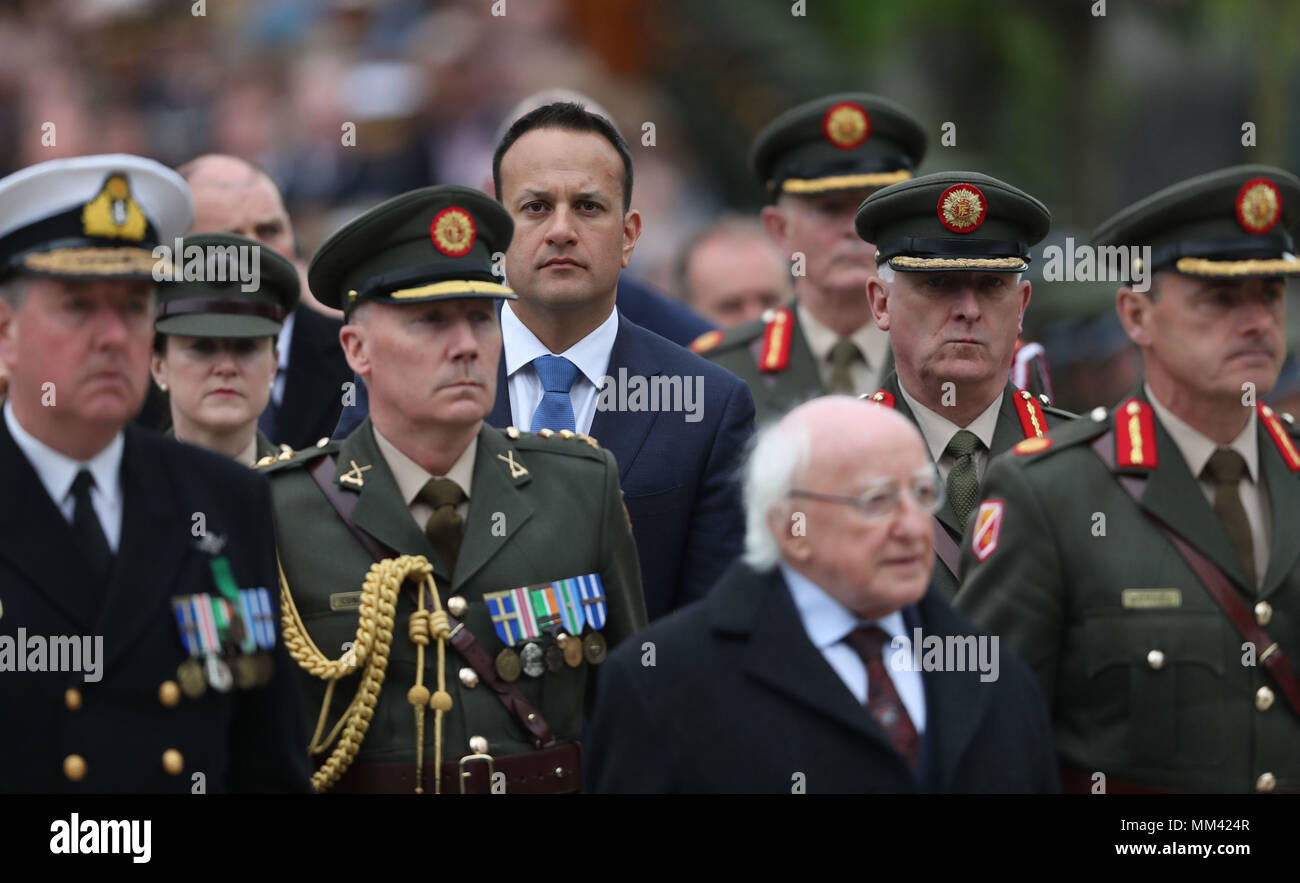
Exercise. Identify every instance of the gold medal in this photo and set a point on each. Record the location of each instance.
(508, 665)
(594, 648)
(573, 652)
(190, 676)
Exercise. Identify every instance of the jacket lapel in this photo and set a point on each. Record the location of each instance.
(145, 557)
(624, 432)
(777, 651)
(380, 510)
(495, 492)
(38, 541)
(501, 416)
(1284, 505)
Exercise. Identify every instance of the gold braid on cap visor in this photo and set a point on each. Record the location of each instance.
(844, 182)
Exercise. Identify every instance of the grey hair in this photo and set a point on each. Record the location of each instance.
(780, 452)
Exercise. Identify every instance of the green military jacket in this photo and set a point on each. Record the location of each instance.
(1008, 432)
(1145, 675)
(540, 509)
(740, 350)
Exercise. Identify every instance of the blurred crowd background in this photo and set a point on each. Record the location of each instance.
(1088, 113)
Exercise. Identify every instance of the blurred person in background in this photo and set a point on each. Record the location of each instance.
(732, 272)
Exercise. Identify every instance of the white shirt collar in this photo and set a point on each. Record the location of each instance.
(590, 355)
(1197, 448)
(939, 430)
(57, 471)
(827, 621)
(284, 340)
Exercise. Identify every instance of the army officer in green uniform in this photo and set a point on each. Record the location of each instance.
(817, 162)
(475, 672)
(951, 249)
(215, 343)
(1144, 562)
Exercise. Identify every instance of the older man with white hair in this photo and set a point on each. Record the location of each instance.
(824, 661)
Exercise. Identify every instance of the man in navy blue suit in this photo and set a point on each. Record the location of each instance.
(571, 361)
(849, 671)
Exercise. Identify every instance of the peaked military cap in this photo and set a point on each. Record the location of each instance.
(1232, 222)
(90, 217)
(839, 142)
(219, 307)
(953, 221)
(429, 244)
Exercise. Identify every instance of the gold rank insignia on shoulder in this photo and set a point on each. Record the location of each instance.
(1033, 445)
(286, 453)
(706, 341)
(512, 432)
(353, 475)
(265, 461)
(517, 469)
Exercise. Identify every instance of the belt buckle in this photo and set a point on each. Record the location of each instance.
(491, 769)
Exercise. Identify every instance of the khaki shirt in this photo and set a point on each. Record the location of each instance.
(411, 477)
(938, 432)
(873, 343)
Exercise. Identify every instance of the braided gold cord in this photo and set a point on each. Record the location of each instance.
(370, 652)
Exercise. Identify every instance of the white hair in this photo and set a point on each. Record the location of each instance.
(885, 273)
(780, 452)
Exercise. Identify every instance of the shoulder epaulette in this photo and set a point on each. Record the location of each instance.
(1065, 435)
(1030, 411)
(1281, 428)
(725, 340)
(774, 355)
(706, 341)
(289, 458)
(553, 442)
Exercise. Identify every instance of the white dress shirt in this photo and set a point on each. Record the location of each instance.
(57, 472)
(590, 355)
(938, 431)
(1197, 450)
(829, 623)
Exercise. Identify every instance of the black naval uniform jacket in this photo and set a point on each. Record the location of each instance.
(243, 740)
(739, 700)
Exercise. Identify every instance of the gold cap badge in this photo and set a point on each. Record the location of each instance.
(962, 208)
(846, 125)
(113, 214)
(1259, 205)
(453, 232)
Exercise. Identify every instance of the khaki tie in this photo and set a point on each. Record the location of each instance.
(963, 479)
(1225, 470)
(843, 354)
(445, 527)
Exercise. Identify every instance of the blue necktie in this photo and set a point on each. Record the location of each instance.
(555, 411)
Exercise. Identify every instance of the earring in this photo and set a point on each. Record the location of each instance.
(163, 387)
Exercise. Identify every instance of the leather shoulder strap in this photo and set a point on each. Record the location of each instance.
(1219, 586)
(945, 547)
(462, 638)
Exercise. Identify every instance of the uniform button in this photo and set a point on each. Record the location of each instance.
(74, 767)
(1263, 612)
(478, 744)
(169, 693)
(1098, 414)
(1266, 782)
(456, 606)
(1263, 698)
(172, 761)
(1156, 659)
(469, 677)
(72, 699)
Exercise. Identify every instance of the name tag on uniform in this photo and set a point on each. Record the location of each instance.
(345, 601)
(1147, 599)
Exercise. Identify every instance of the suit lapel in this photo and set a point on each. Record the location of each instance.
(1284, 505)
(38, 541)
(380, 510)
(624, 432)
(501, 416)
(144, 557)
(778, 652)
(495, 493)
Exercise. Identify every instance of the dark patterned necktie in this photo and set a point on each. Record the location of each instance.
(445, 528)
(963, 478)
(843, 354)
(883, 702)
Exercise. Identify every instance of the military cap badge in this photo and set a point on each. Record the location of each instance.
(1259, 205)
(113, 214)
(962, 208)
(846, 125)
(453, 231)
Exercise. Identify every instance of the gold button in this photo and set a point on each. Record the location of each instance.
(72, 698)
(512, 432)
(559, 772)
(1266, 782)
(1263, 698)
(566, 433)
(1263, 612)
(456, 606)
(469, 677)
(173, 763)
(1156, 659)
(169, 693)
(74, 767)
(478, 744)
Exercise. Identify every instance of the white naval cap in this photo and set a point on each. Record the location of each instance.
(90, 216)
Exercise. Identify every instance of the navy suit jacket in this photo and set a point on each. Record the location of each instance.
(678, 478)
(739, 700)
